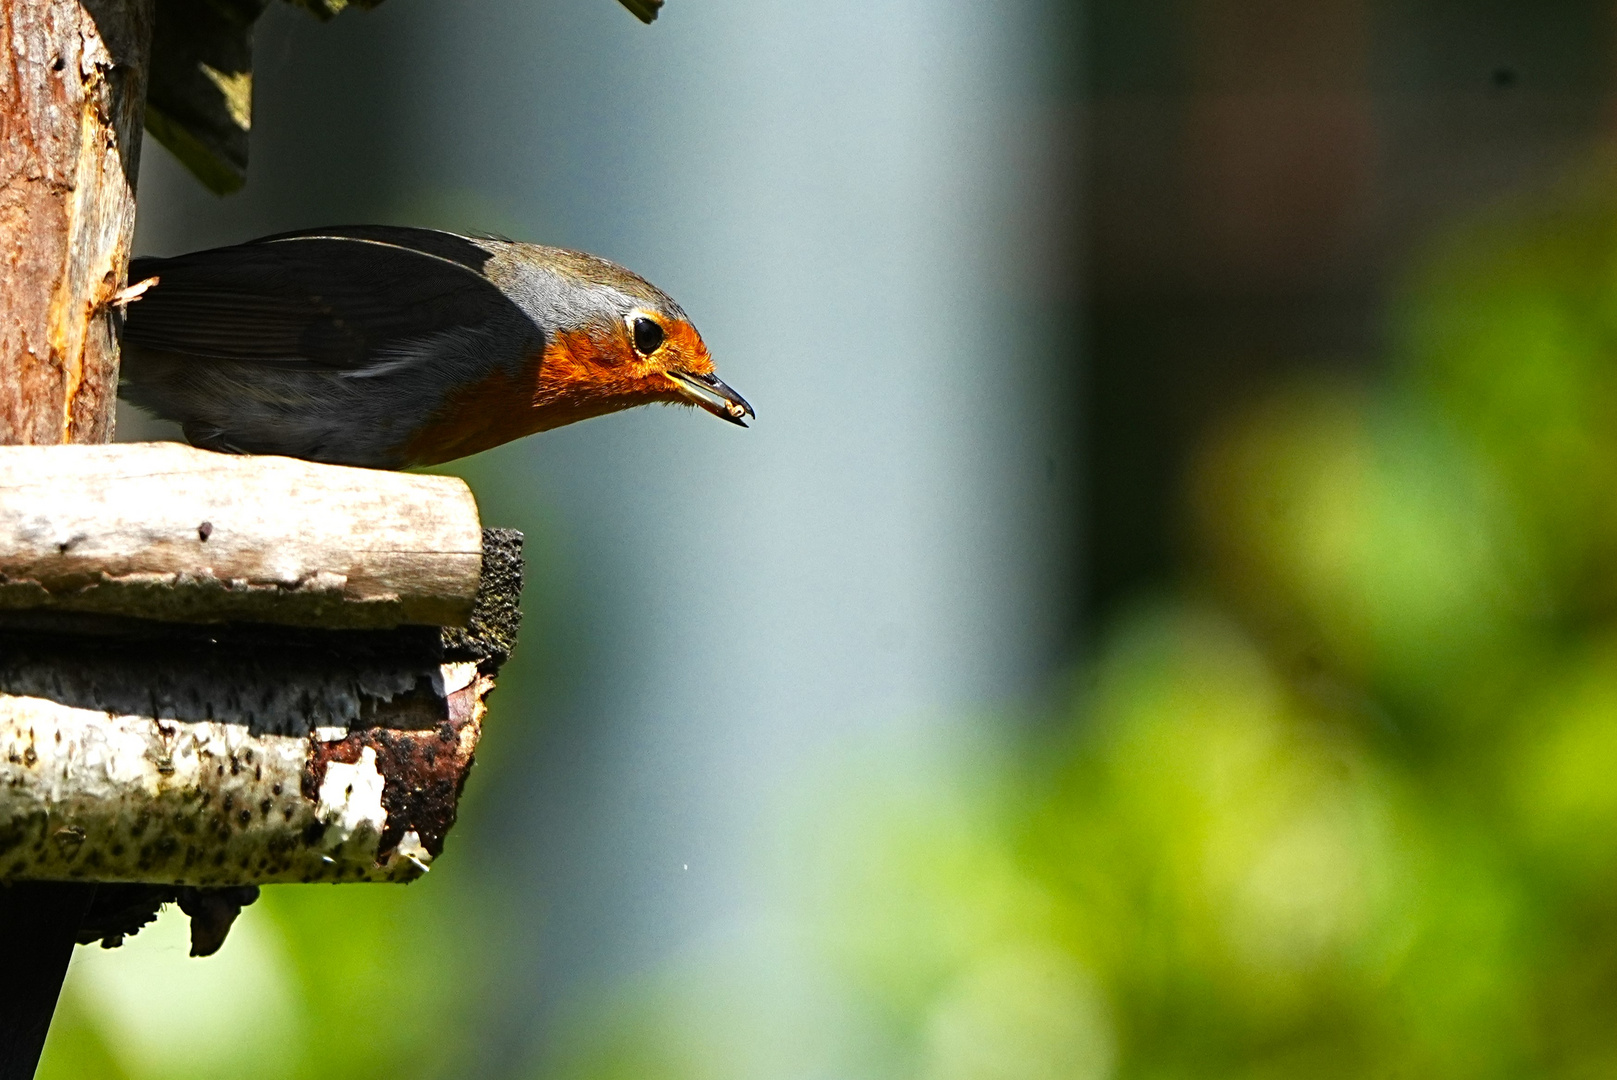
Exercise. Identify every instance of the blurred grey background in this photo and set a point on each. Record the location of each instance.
(991, 272)
(866, 208)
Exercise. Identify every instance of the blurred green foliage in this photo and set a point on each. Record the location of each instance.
(1343, 804)
(361, 981)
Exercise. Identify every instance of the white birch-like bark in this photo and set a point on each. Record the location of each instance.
(87, 794)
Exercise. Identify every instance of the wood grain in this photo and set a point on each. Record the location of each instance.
(164, 531)
(72, 93)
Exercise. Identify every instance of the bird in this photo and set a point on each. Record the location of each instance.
(393, 347)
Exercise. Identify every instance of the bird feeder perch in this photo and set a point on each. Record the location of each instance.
(223, 672)
(231, 671)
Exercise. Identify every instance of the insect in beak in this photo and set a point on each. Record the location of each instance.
(710, 393)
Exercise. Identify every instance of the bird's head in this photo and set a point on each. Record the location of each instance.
(672, 362)
(614, 341)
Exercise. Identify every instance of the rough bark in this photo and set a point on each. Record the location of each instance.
(130, 798)
(72, 94)
(164, 531)
(133, 751)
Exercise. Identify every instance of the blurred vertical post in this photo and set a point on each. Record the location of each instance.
(856, 203)
(72, 93)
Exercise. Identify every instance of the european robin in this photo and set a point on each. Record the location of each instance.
(392, 347)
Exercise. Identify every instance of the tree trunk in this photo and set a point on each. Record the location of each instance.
(72, 95)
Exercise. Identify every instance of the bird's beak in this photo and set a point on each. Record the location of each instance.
(710, 393)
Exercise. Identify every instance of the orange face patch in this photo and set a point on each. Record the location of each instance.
(685, 348)
(577, 376)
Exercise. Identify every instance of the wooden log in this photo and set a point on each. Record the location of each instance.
(133, 751)
(164, 531)
(101, 797)
(72, 93)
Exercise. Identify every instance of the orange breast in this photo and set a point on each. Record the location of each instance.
(565, 383)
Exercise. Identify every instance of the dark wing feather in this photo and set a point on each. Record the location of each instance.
(332, 298)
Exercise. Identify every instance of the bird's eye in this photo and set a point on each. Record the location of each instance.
(648, 336)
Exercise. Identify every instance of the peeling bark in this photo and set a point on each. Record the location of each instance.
(99, 797)
(72, 95)
(139, 752)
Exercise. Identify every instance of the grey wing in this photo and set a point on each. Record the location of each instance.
(335, 299)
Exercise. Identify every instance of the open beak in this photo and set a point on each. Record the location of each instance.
(710, 393)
